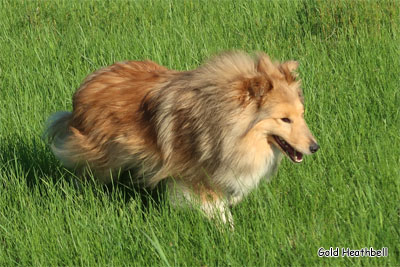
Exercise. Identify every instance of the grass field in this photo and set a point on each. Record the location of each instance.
(347, 195)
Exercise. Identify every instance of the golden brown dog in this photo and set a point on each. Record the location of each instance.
(213, 132)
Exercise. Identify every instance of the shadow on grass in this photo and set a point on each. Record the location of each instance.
(130, 189)
(33, 161)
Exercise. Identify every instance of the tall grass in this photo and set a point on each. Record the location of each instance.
(347, 195)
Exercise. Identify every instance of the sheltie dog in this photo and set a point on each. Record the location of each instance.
(213, 133)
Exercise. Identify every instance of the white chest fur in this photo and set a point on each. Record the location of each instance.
(248, 167)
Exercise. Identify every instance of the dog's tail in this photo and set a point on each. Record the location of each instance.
(74, 150)
(58, 133)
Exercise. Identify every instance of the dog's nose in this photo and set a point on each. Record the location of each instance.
(314, 147)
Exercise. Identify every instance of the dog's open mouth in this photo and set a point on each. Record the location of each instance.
(292, 153)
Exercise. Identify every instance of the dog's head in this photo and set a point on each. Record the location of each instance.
(275, 95)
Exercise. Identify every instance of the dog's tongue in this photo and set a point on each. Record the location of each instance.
(295, 155)
(299, 156)
(292, 153)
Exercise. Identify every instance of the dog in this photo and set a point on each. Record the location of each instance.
(211, 133)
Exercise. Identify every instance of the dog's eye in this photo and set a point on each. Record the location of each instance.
(287, 120)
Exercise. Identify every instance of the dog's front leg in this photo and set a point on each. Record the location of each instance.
(218, 210)
(213, 204)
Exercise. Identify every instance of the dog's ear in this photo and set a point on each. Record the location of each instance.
(264, 64)
(268, 68)
(257, 87)
(288, 69)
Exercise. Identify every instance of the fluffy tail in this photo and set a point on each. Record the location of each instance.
(57, 134)
(74, 150)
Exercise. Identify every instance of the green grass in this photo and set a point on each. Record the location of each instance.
(347, 195)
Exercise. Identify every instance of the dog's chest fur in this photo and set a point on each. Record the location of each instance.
(250, 166)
